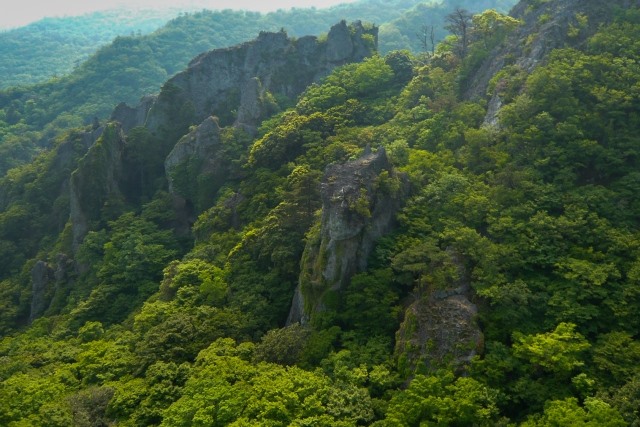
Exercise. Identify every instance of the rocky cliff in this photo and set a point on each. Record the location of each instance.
(359, 201)
(240, 84)
(50, 278)
(440, 327)
(131, 117)
(546, 25)
(196, 167)
(95, 184)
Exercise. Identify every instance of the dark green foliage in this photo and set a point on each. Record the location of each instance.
(371, 305)
(125, 268)
(283, 346)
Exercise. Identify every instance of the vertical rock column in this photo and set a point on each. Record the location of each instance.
(356, 211)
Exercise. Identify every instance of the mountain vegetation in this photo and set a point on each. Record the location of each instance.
(32, 115)
(53, 47)
(307, 232)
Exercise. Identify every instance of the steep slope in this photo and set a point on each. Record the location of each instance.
(415, 28)
(113, 175)
(138, 65)
(359, 202)
(545, 26)
(449, 269)
(242, 78)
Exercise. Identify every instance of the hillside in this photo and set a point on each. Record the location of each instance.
(132, 67)
(53, 47)
(304, 232)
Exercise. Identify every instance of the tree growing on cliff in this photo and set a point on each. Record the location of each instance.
(460, 24)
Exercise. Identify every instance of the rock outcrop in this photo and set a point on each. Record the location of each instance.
(545, 26)
(48, 283)
(197, 159)
(440, 328)
(131, 117)
(359, 202)
(200, 144)
(95, 184)
(41, 282)
(245, 79)
(236, 84)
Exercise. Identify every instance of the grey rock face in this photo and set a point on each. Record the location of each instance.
(356, 211)
(41, 280)
(131, 117)
(440, 327)
(493, 108)
(237, 79)
(202, 144)
(251, 105)
(438, 332)
(530, 44)
(96, 181)
(46, 281)
(339, 44)
(199, 151)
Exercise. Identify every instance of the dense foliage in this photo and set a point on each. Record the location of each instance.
(540, 212)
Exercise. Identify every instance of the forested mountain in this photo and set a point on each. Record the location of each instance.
(304, 232)
(131, 67)
(53, 47)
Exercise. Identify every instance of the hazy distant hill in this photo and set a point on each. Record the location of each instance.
(54, 46)
(403, 31)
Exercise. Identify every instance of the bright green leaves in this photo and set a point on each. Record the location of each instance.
(567, 412)
(29, 399)
(559, 351)
(205, 277)
(285, 142)
(141, 401)
(225, 389)
(442, 400)
(368, 77)
(353, 81)
(352, 95)
(177, 330)
(101, 361)
(128, 267)
(491, 27)
(321, 98)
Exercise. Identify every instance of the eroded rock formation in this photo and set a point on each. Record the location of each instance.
(359, 200)
(95, 184)
(236, 84)
(440, 328)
